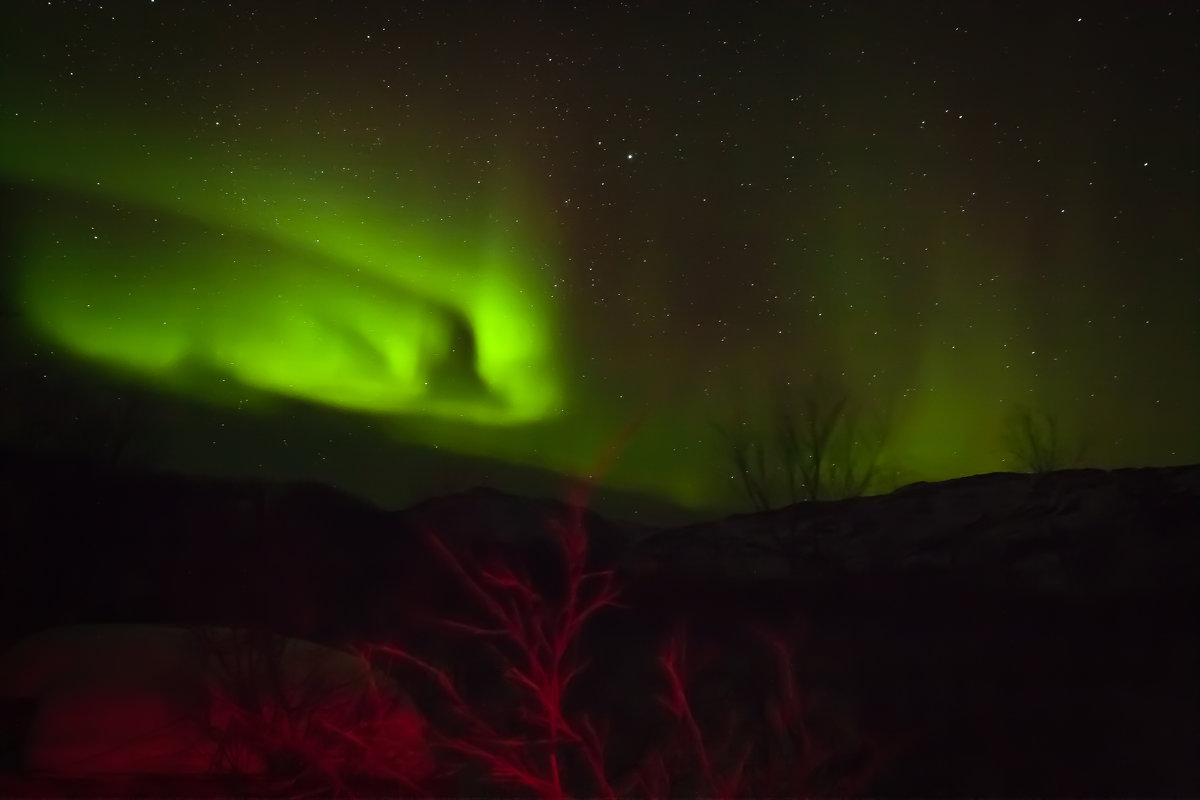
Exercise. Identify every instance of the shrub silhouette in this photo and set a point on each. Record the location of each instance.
(816, 446)
(1035, 443)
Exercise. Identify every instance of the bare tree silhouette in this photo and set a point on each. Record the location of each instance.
(816, 446)
(1035, 443)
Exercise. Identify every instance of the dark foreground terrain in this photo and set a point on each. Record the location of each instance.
(994, 635)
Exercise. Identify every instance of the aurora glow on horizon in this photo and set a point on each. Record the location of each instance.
(506, 236)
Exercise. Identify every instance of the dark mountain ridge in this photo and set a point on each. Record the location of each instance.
(1048, 621)
(1085, 533)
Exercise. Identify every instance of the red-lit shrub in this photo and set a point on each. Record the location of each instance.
(542, 741)
(691, 714)
(301, 717)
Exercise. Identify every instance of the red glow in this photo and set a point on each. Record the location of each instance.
(295, 716)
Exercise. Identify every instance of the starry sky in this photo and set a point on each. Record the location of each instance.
(410, 247)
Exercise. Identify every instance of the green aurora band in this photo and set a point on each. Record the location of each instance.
(417, 292)
(315, 285)
(231, 272)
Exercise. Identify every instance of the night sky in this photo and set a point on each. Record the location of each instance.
(410, 247)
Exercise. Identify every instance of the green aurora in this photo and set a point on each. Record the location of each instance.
(296, 285)
(473, 251)
(285, 278)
